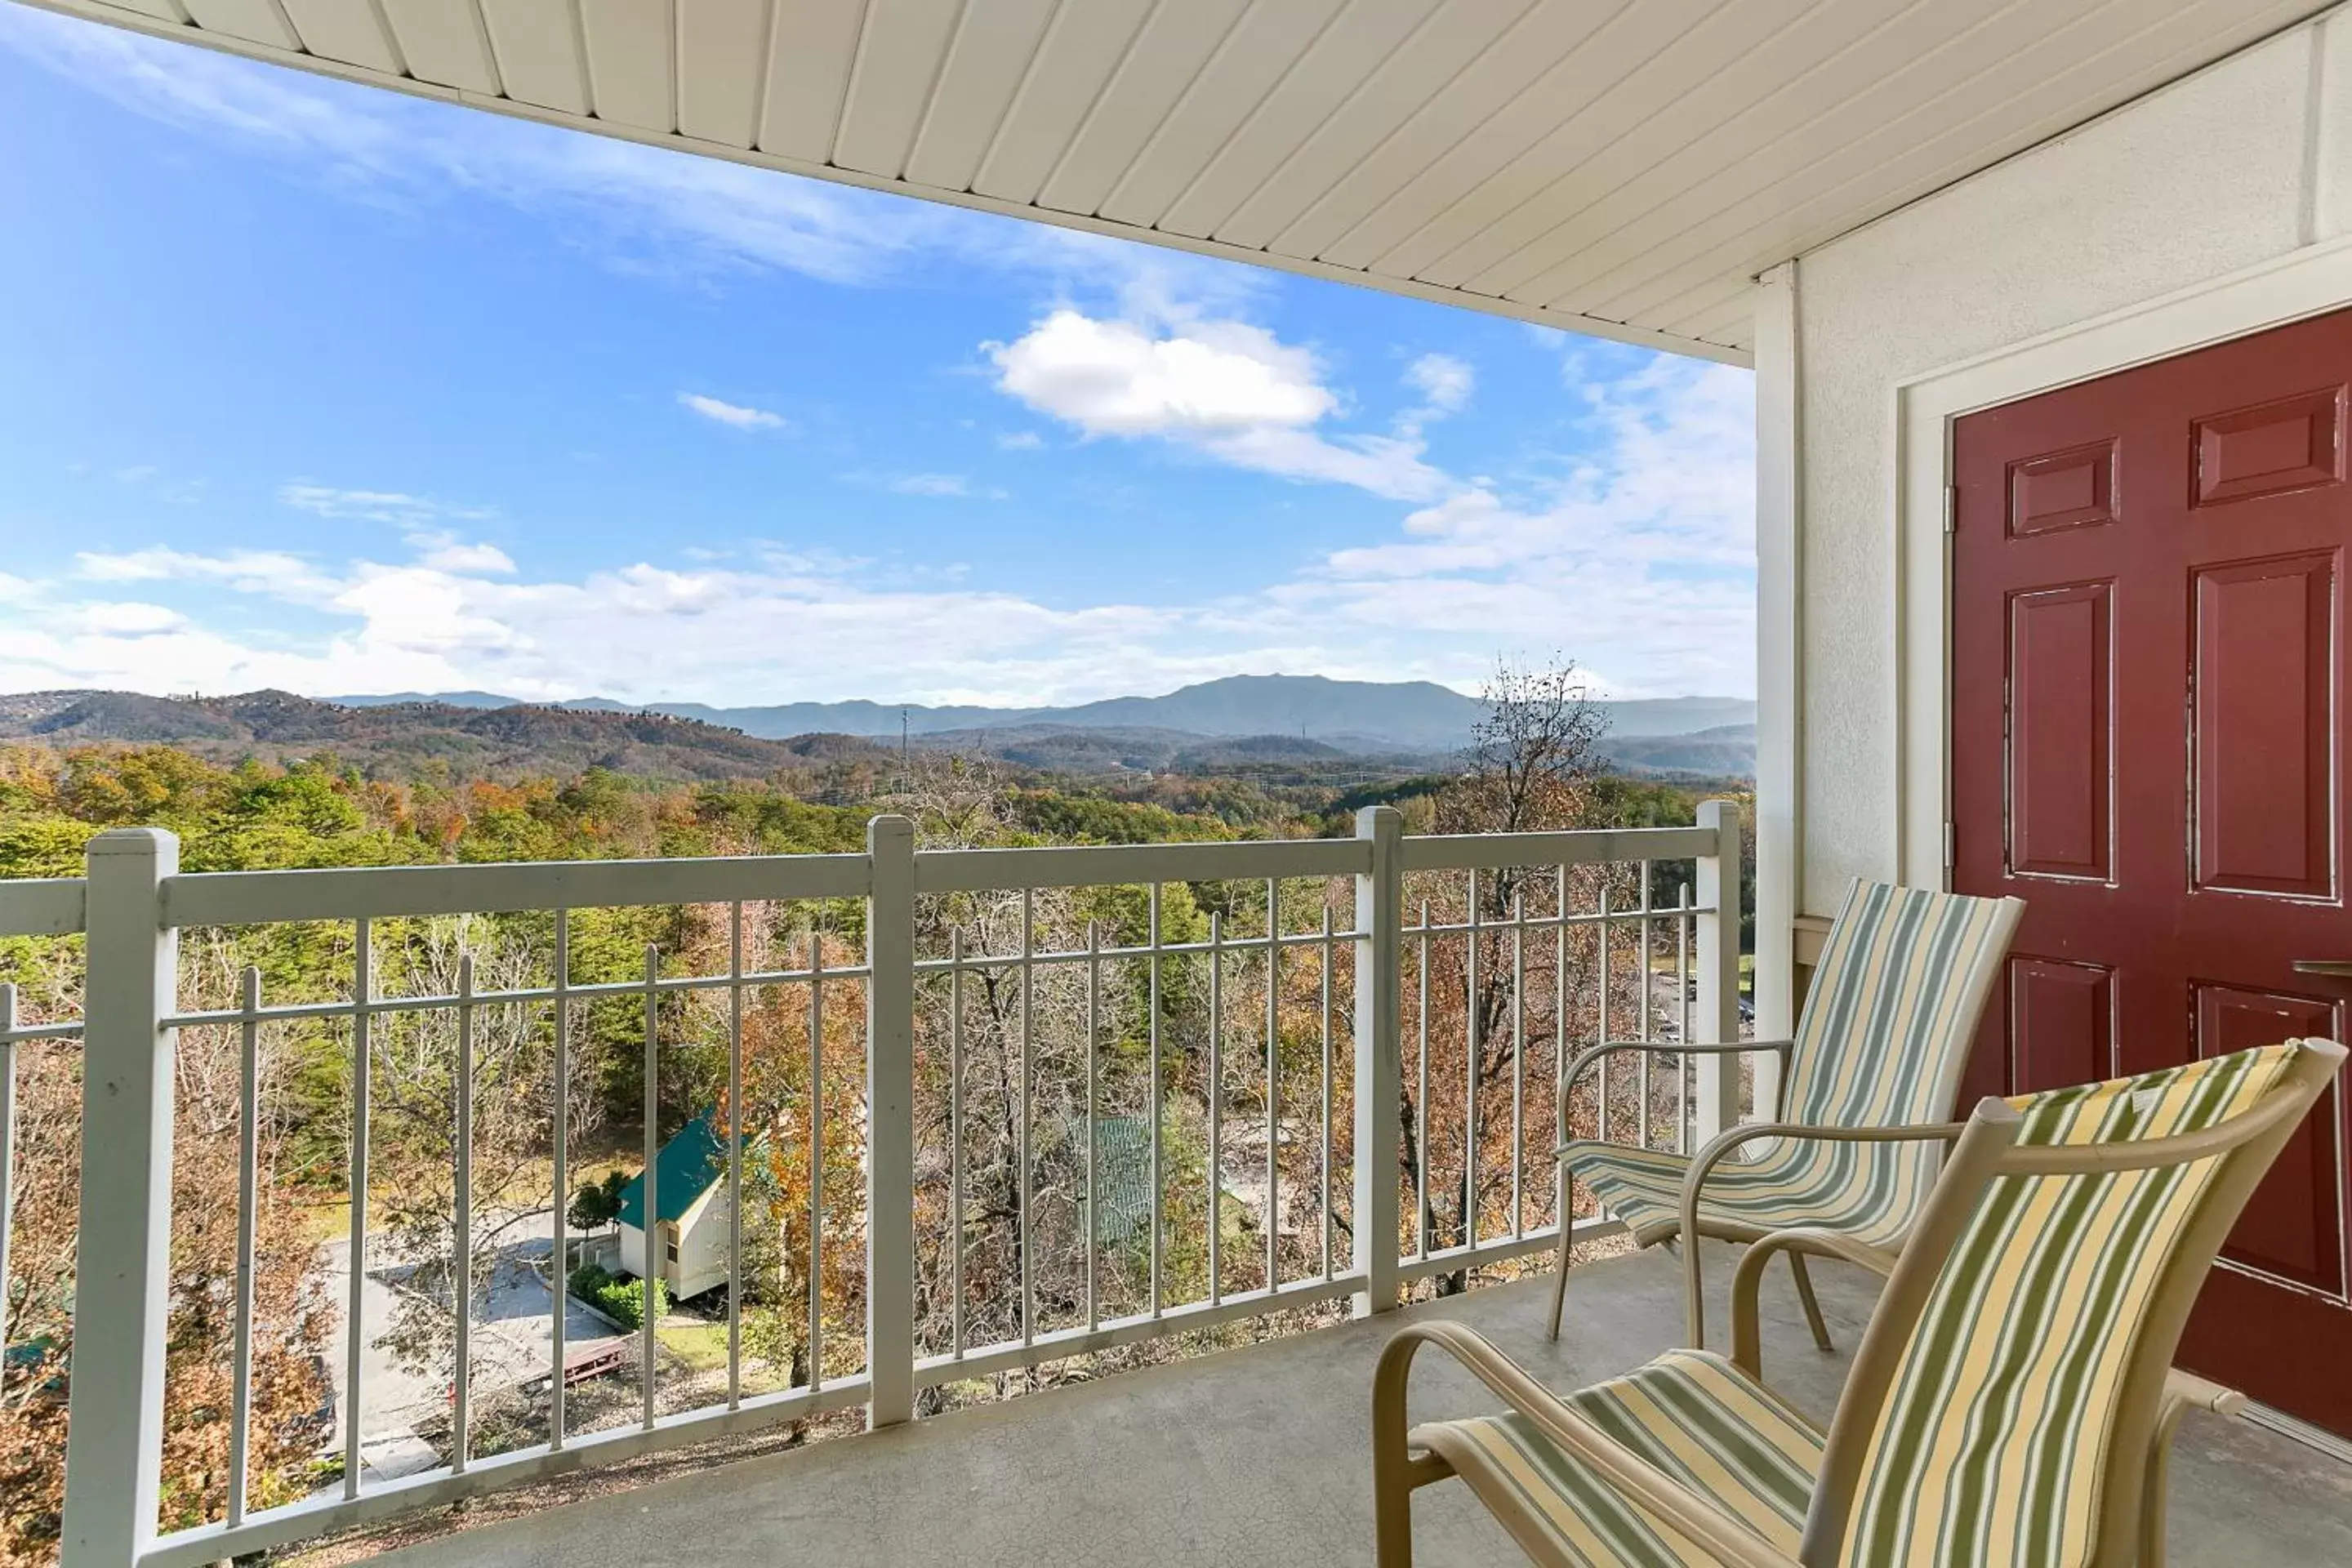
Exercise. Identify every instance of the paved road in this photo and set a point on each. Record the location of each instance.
(514, 1334)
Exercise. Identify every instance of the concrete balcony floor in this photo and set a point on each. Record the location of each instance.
(1260, 1455)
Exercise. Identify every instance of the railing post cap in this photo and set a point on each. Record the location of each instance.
(888, 824)
(156, 841)
(1372, 819)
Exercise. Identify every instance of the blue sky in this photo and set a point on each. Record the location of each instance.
(311, 385)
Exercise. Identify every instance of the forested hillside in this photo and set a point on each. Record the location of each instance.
(470, 735)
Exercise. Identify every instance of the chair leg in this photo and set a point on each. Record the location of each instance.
(1694, 1293)
(1566, 1233)
(1813, 1306)
(2152, 1498)
(1396, 1471)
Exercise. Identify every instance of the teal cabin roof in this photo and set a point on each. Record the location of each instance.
(692, 1163)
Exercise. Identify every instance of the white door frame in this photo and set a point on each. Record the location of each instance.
(2306, 282)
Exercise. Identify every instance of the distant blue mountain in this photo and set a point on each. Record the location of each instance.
(447, 699)
(1410, 714)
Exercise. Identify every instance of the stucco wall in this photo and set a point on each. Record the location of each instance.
(2240, 164)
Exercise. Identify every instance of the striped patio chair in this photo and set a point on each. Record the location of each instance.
(2010, 1405)
(1866, 1093)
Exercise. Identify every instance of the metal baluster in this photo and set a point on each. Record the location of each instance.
(1273, 1083)
(1607, 979)
(461, 1284)
(650, 1236)
(8, 1144)
(1216, 1103)
(561, 1268)
(955, 1140)
(1325, 1174)
(1558, 1017)
(1152, 1024)
(1094, 1188)
(816, 1162)
(1681, 998)
(354, 1321)
(248, 1183)
(1420, 1103)
(1470, 1073)
(1641, 1130)
(734, 1133)
(1028, 1095)
(1518, 1058)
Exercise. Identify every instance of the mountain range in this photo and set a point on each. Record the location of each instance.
(1354, 716)
(1303, 728)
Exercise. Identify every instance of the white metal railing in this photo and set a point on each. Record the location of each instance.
(1271, 1057)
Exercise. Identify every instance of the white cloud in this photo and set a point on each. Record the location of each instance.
(1443, 381)
(376, 506)
(273, 572)
(937, 485)
(1114, 378)
(444, 551)
(128, 618)
(1020, 441)
(1224, 388)
(739, 415)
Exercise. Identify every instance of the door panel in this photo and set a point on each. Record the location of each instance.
(2061, 763)
(2064, 489)
(2294, 1230)
(2263, 728)
(2291, 445)
(2062, 1028)
(2148, 672)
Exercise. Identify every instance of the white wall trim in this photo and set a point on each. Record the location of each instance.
(2310, 282)
(1780, 652)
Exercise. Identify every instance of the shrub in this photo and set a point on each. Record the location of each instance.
(624, 1301)
(586, 1281)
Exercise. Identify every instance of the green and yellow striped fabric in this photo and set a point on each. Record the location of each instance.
(1693, 1416)
(1991, 1447)
(1884, 1035)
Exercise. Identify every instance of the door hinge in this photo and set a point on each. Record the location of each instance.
(1951, 508)
(1952, 846)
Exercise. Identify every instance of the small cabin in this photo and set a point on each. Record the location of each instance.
(694, 1222)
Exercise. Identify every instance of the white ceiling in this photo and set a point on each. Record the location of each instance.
(1615, 166)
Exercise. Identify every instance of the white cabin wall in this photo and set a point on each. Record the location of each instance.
(2240, 164)
(702, 1247)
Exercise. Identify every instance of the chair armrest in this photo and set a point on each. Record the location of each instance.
(1592, 1053)
(1720, 1148)
(1641, 1482)
(1747, 1349)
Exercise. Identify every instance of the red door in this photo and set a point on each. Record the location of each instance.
(2149, 663)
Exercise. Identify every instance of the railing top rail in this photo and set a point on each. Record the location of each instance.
(55, 906)
(1579, 846)
(243, 897)
(43, 906)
